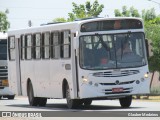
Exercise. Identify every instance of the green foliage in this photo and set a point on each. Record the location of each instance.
(132, 12)
(117, 13)
(152, 32)
(60, 20)
(4, 24)
(148, 14)
(85, 10)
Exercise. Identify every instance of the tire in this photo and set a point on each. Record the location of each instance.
(33, 101)
(42, 101)
(87, 102)
(71, 103)
(125, 102)
(11, 97)
(0, 97)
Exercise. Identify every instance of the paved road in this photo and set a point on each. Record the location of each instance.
(98, 108)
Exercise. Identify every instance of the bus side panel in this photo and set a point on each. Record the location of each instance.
(42, 84)
(27, 73)
(56, 78)
(12, 77)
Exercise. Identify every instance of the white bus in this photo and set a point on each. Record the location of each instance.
(4, 85)
(79, 61)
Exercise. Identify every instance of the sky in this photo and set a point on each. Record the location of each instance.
(44, 11)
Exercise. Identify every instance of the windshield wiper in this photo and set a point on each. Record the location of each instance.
(103, 43)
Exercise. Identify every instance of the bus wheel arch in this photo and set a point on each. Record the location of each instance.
(33, 101)
(64, 84)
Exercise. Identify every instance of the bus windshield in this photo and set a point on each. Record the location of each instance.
(3, 49)
(112, 51)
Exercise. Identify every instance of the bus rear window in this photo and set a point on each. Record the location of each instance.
(106, 25)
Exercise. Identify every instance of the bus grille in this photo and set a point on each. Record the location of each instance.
(3, 72)
(116, 73)
(121, 83)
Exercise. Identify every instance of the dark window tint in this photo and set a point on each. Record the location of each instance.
(55, 45)
(22, 47)
(11, 48)
(28, 46)
(46, 45)
(37, 46)
(105, 25)
(65, 46)
(3, 49)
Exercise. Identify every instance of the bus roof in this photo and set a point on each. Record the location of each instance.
(59, 26)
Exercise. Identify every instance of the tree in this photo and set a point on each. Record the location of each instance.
(60, 20)
(152, 31)
(85, 10)
(117, 13)
(4, 24)
(134, 12)
(148, 14)
(127, 12)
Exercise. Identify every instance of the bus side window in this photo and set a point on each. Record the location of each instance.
(11, 49)
(55, 45)
(28, 39)
(65, 44)
(45, 45)
(22, 47)
(37, 46)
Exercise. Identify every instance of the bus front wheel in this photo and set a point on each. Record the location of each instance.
(126, 101)
(33, 101)
(71, 103)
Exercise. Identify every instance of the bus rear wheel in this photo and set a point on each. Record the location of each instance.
(71, 103)
(126, 101)
(11, 97)
(42, 101)
(33, 101)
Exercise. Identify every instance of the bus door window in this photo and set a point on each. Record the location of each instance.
(11, 48)
(22, 47)
(28, 47)
(55, 45)
(37, 46)
(46, 45)
(65, 44)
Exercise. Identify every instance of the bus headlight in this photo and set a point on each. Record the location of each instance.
(146, 75)
(85, 80)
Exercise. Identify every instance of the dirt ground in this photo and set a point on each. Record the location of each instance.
(148, 98)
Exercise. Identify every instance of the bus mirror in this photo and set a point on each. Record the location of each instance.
(149, 48)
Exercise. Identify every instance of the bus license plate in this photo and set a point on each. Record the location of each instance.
(117, 89)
